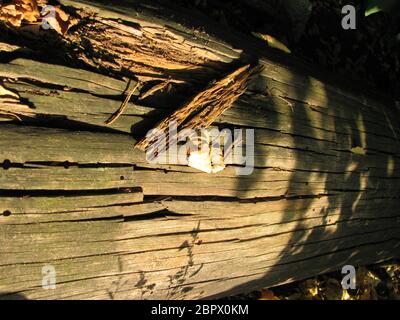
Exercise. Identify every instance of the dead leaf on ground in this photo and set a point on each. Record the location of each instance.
(333, 289)
(20, 12)
(309, 289)
(267, 294)
(346, 295)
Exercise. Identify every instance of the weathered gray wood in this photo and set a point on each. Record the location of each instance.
(76, 195)
(64, 77)
(275, 114)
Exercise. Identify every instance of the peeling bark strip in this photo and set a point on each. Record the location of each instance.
(206, 106)
(75, 196)
(124, 104)
(133, 41)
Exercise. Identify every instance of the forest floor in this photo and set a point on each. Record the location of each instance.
(370, 53)
(374, 282)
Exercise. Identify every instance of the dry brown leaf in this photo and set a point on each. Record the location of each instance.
(18, 11)
(29, 9)
(41, 3)
(313, 291)
(11, 15)
(310, 289)
(267, 294)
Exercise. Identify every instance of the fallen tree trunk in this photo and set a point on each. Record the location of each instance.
(76, 194)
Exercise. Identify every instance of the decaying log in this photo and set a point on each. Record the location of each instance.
(75, 193)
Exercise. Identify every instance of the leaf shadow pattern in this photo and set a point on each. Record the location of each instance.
(177, 281)
(145, 289)
(345, 229)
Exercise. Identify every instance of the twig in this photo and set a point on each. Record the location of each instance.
(122, 108)
(154, 89)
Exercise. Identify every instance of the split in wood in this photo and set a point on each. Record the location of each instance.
(158, 87)
(9, 100)
(152, 90)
